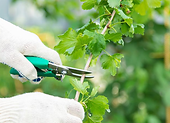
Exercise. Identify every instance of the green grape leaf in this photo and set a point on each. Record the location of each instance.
(89, 26)
(139, 29)
(97, 108)
(83, 40)
(88, 4)
(97, 44)
(68, 40)
(154, 3)
(111, 62)
(79, 49)
(127, 19)
(125, 29)
(82, 88)
(94, 91)
(113, 3)
(115, 37)
(141, 8)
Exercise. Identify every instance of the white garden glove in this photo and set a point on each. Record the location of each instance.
(40, 108)
(15, 43)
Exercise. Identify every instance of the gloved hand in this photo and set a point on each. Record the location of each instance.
(40, 108)
(15, 43)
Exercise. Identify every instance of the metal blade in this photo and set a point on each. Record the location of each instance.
(69, 73)
(79, 71)
(79, 76)
(65, 68)
(58, 69)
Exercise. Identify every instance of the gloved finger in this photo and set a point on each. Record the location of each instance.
(72, 119)
(75, 108)
(20, 78)
(20, 63)
(40, 50)
(23, 79)
(49, 54)
(37, 80)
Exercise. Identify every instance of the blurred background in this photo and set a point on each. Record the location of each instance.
(139, 93)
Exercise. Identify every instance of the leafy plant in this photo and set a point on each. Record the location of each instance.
(114, 21)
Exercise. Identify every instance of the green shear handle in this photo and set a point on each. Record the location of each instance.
(41, 66)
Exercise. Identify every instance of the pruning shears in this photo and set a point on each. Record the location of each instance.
(46, 68)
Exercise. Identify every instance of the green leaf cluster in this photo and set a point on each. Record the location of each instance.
(90, 39)
(97, 43)
(76, 45)
(94, 106)
(73, 44)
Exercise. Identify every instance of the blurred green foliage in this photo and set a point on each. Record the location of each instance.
(139, 93)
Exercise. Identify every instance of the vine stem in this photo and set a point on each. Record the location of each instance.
(83, 76)
(107, 25)
(91, 56)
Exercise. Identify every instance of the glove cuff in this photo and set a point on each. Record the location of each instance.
(9, 110)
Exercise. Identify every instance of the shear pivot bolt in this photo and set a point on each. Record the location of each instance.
(64, 72)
